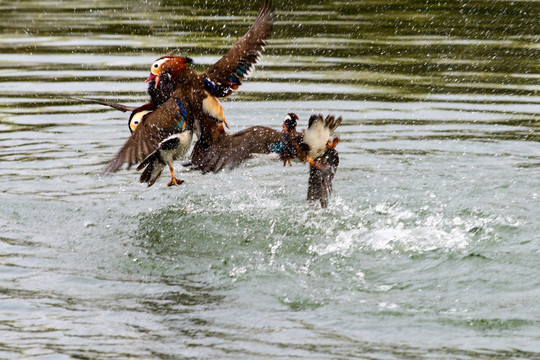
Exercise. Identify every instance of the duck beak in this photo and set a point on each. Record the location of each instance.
(150, 78)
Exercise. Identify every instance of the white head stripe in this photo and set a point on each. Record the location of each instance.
(156, 65)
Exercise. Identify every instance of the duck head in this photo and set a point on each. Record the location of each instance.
(173, 66)
(137, 115)
(165, 74)
(289, 124)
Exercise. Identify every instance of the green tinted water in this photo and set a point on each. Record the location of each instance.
(429, 249)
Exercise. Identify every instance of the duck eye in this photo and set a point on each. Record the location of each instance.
(155, 66)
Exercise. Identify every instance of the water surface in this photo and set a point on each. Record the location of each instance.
(430, 246)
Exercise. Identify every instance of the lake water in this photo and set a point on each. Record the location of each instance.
(430, 247)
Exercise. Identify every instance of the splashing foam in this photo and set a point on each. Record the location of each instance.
(416, 240)
(398, 231)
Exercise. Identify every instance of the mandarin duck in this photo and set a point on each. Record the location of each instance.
(314, 146)
(193, 103)
(289, 133)
(312, 142)
(321, 174)
(167, 152)
(316, 137)
(322, 156)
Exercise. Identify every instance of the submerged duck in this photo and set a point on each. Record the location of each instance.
(193, 105)
(314, 145)
(316, 139)
(312, 142)
(321, 174)
(322, 156)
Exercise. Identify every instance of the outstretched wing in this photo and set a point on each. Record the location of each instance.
(227, 74)
(231, 150)
(114, 105)
(157, 126)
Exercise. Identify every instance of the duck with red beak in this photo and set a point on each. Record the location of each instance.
(194, 102)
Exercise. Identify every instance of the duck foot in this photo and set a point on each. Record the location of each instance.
(317, 163)
(174, 181)
(333, 143)
(287, 161)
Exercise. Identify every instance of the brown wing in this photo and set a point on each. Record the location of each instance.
(157, 126)
(231, 150)
(227, 74)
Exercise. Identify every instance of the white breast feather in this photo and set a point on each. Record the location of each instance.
(185, 143)
(168, 156)
(316, 137)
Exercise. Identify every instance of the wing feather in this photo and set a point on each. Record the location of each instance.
(114, 105)
(231, 150)
(157, 126)
(227, 74)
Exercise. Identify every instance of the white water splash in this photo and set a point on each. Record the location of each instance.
(399, 230)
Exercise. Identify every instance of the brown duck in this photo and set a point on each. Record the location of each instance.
(168, 150)
(159, 93)
(316, 148)
(321, 154)
(194, 104)
(312, 145)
